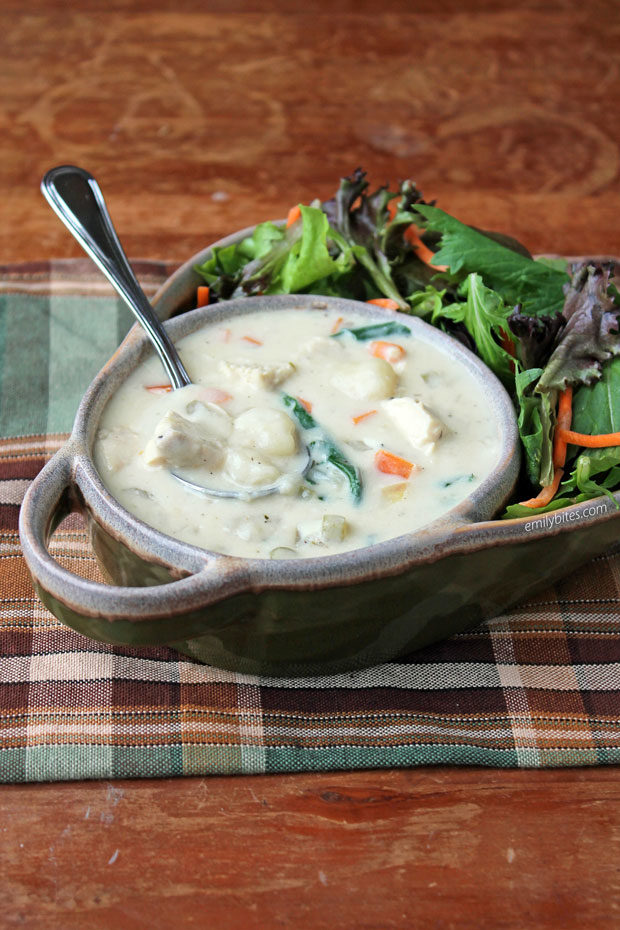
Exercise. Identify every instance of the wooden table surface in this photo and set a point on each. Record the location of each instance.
(205, 116)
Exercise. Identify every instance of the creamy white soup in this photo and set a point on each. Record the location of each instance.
(365, 431)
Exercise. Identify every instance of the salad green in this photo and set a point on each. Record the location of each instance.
(550, 332)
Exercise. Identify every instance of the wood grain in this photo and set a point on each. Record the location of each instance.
(200, 118)
(471, 849)
(430, 848)
(201, 122)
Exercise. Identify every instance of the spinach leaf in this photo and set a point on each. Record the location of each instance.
(323, 449)
(305, 419)
(515, 277)
(375, 331)
(596, 407)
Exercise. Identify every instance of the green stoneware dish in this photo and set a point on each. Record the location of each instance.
(298, 616)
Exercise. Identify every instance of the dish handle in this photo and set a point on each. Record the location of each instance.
(50, 498)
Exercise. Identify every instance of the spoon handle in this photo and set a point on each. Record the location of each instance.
(77, 199)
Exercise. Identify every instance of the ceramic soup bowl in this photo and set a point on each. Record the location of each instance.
(278, 617)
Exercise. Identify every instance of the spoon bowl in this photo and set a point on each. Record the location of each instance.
(76, 198)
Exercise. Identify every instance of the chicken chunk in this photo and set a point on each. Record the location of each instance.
(257, 376)
(415, 422)
(179, 442)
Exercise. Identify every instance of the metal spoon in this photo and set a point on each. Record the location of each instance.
(75, 196)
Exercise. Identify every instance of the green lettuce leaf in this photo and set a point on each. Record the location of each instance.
(518, 510)
(535, 424)
(484, 316)
(515, 277)
(588, 465)
(293, 263)
(427, 302)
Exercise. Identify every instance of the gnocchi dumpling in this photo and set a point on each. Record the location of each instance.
(266, 429)
(372, 379)
(248, 470)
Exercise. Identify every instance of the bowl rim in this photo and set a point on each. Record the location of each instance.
(371, 561)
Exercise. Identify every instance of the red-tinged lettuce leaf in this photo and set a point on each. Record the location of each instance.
(374, 234)
(534, 336)
(590, 336)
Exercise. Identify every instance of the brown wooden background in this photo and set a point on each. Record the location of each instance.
(199, 118)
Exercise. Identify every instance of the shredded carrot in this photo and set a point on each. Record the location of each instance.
(226, 334)
(547, 493)
(202, 296)
(293, 215)
(386, 302)
(412, 235)
(337, 325)
(391, 464)
(363, 416)
(305, 404)
(565, 416)
(507, 343)
(389, 351)
(598, 441)
(158, 388)
(213, 395)
(255, 342)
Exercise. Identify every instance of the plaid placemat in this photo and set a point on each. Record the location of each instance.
(537, 687)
